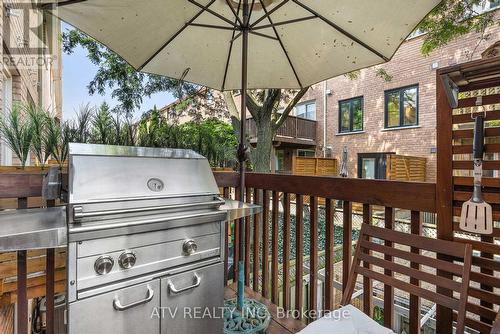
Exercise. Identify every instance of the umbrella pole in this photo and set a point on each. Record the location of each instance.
(242, 152)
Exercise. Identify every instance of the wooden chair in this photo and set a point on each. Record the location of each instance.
(375, 240)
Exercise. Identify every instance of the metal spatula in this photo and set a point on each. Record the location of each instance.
(476, 214)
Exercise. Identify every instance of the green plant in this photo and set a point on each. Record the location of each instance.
(81, 127)
(17, 132)
(57, 139)
(382, 74)
(38, 117)
(125, 132)
(103, 126)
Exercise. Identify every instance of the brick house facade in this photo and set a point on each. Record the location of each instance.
(408, 67)
(27, 83)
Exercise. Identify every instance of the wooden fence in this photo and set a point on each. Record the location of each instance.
(314, 166)
(405, 168)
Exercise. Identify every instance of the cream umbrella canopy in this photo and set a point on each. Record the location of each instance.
(247, 44)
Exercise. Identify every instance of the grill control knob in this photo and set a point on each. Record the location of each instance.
(127, 260)
(189, 247)
(103, 265)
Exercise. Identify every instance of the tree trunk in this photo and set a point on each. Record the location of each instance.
(262, 156)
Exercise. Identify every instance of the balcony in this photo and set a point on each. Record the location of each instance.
(295, 130)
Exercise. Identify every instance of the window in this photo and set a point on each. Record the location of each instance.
(494, 3)
(481, 8)
(306, 110)
(351, 115)
(306, 153)
(280, 160)
(401, 107)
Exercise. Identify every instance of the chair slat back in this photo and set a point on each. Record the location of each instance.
(373, 249)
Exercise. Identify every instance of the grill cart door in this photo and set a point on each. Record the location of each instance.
(129, 310)
(192, 301)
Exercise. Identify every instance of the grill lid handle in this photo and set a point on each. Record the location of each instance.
(78, 212)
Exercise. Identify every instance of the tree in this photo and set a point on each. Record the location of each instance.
(452, 19)
(264, 106)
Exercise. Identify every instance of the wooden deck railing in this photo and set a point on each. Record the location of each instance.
(22, 189)
(271, 244)
(274, 191)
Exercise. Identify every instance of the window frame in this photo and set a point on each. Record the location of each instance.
(351, 115)
(305, 104)
(401, 107)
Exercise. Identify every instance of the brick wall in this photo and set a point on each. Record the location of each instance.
(408, 67)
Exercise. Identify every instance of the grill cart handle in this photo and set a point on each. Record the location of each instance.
(174, 290)
(119, 307)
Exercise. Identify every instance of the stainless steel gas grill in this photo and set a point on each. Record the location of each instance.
(145, 241)
(143, 229)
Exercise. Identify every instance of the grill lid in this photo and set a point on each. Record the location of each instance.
(105, 173)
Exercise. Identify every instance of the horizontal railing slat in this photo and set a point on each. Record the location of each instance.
(14, 185)
(417, 196)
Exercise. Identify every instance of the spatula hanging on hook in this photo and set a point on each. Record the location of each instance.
(476, 214)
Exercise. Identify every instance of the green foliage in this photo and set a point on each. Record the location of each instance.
(382, 74)
(452, 19)
(212, 138)
(57, 138)
(80, 128)
(103, 128)
(38, 118)
(17, 132)
(354, 75)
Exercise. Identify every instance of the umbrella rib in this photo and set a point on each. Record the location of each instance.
(342, 31)
(202, 25)
(263, 17)
(236, 15)
(276, 24)
(175, 35)
(281, 44)
(205, 8)
(251, 11)
(263, 35)
(230, 50)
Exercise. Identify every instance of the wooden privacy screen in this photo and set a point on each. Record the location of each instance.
(405, 168)
(479, 83)
(314, 166)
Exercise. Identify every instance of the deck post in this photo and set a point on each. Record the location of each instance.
(444, 190)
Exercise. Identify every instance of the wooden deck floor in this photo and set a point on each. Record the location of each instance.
(278, 325)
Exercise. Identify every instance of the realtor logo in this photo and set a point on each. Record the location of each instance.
(30, 35)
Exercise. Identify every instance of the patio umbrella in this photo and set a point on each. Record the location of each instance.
(247, 44)
(343, 163)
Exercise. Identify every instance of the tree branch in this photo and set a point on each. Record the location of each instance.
(253, 107)
(289, 108)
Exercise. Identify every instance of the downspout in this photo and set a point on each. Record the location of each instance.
(325, 101)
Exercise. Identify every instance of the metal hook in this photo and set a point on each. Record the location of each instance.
(479, 103)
